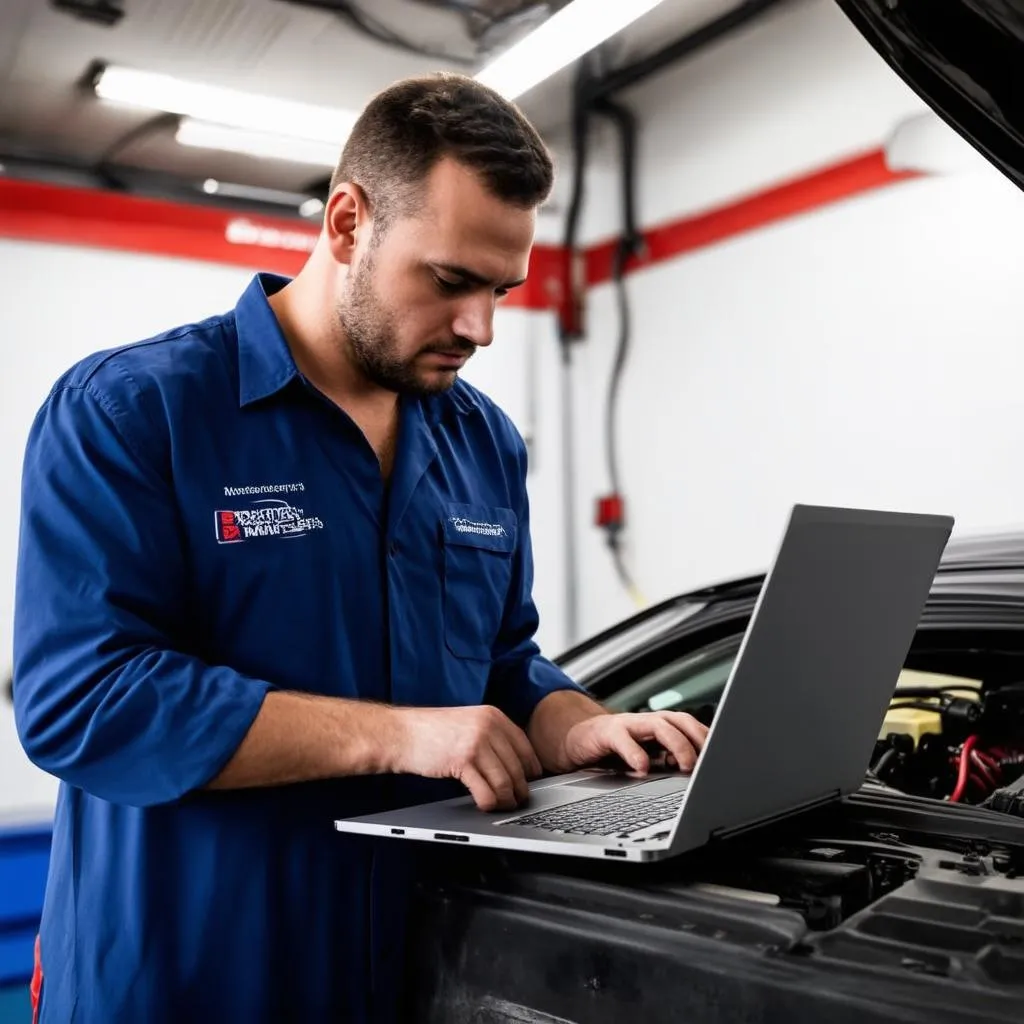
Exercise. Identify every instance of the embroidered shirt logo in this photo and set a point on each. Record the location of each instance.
(463, 525)
(267, 517)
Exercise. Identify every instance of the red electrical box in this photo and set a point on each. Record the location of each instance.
(610, 512)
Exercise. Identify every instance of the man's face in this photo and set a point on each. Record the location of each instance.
(419, 301)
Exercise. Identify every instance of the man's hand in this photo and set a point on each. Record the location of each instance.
(479, 746)
(681, 735)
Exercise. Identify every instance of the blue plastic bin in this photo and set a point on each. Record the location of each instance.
(24, 859)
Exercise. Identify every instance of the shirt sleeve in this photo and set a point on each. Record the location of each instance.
(107, 695)
(521, 677)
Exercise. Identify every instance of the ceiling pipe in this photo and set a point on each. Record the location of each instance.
(632, 74)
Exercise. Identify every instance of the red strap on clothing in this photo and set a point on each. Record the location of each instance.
(36, 988)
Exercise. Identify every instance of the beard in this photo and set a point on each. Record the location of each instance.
(370, 330)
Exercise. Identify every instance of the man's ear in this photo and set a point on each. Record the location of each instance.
(346, 220)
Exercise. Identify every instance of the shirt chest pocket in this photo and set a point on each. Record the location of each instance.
(479, 544)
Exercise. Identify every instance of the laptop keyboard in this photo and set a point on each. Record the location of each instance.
(608, 815)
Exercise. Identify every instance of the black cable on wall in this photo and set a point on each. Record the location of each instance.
(571, 331)
(611, 508)
(593, 96)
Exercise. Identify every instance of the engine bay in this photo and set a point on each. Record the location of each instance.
(877, 909)
(954, 739)
(954, 729)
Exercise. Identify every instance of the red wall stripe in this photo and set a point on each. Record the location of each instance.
(39, 212)
(109, 220)
(676, 238)
(544, 288)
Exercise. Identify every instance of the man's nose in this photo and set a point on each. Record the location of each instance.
(474, 320)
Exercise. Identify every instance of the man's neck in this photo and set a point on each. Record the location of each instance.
(322, 361)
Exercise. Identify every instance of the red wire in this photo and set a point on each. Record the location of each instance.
(986, 777)
(990, 762)
(965, 765)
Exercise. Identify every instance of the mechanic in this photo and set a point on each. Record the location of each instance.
(275, 568)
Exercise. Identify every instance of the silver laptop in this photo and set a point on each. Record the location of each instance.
(796, 724)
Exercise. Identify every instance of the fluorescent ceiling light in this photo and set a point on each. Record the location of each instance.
(565, 36)
(264, 114)
(258, 144)
(254, 193)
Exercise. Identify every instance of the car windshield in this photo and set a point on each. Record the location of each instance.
(597, 657)
(698, 678)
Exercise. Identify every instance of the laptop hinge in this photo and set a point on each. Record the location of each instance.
(832, 797)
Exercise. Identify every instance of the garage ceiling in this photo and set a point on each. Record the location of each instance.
(293, 50)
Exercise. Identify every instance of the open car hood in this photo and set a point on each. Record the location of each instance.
(965, 59)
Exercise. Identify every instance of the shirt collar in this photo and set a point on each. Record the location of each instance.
(265, 362)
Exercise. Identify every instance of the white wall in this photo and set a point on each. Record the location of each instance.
(62, 303)
(869, 353)
(795, 90)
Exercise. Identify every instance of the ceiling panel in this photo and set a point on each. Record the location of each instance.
(265, 46)
(226, 33)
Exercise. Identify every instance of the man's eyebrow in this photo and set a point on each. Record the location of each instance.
(469, 275)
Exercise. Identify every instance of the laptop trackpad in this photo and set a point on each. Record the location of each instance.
(654, 785)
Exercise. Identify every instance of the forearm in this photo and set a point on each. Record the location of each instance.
(299, 737)
(551, 721)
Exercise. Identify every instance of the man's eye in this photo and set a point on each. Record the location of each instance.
(449, 287)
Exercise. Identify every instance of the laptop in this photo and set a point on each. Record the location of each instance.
(795, 727)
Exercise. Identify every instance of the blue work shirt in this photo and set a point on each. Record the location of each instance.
(199, 526)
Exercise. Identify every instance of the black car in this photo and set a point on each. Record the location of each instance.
(904, 902)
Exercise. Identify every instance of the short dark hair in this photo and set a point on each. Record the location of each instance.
(406, 129)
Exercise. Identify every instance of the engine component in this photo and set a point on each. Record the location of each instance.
(912, 722)
(1002, 713)
(1008, 799)
(962, 761)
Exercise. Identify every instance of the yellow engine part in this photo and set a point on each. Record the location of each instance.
(917, 722)
(912, 722)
